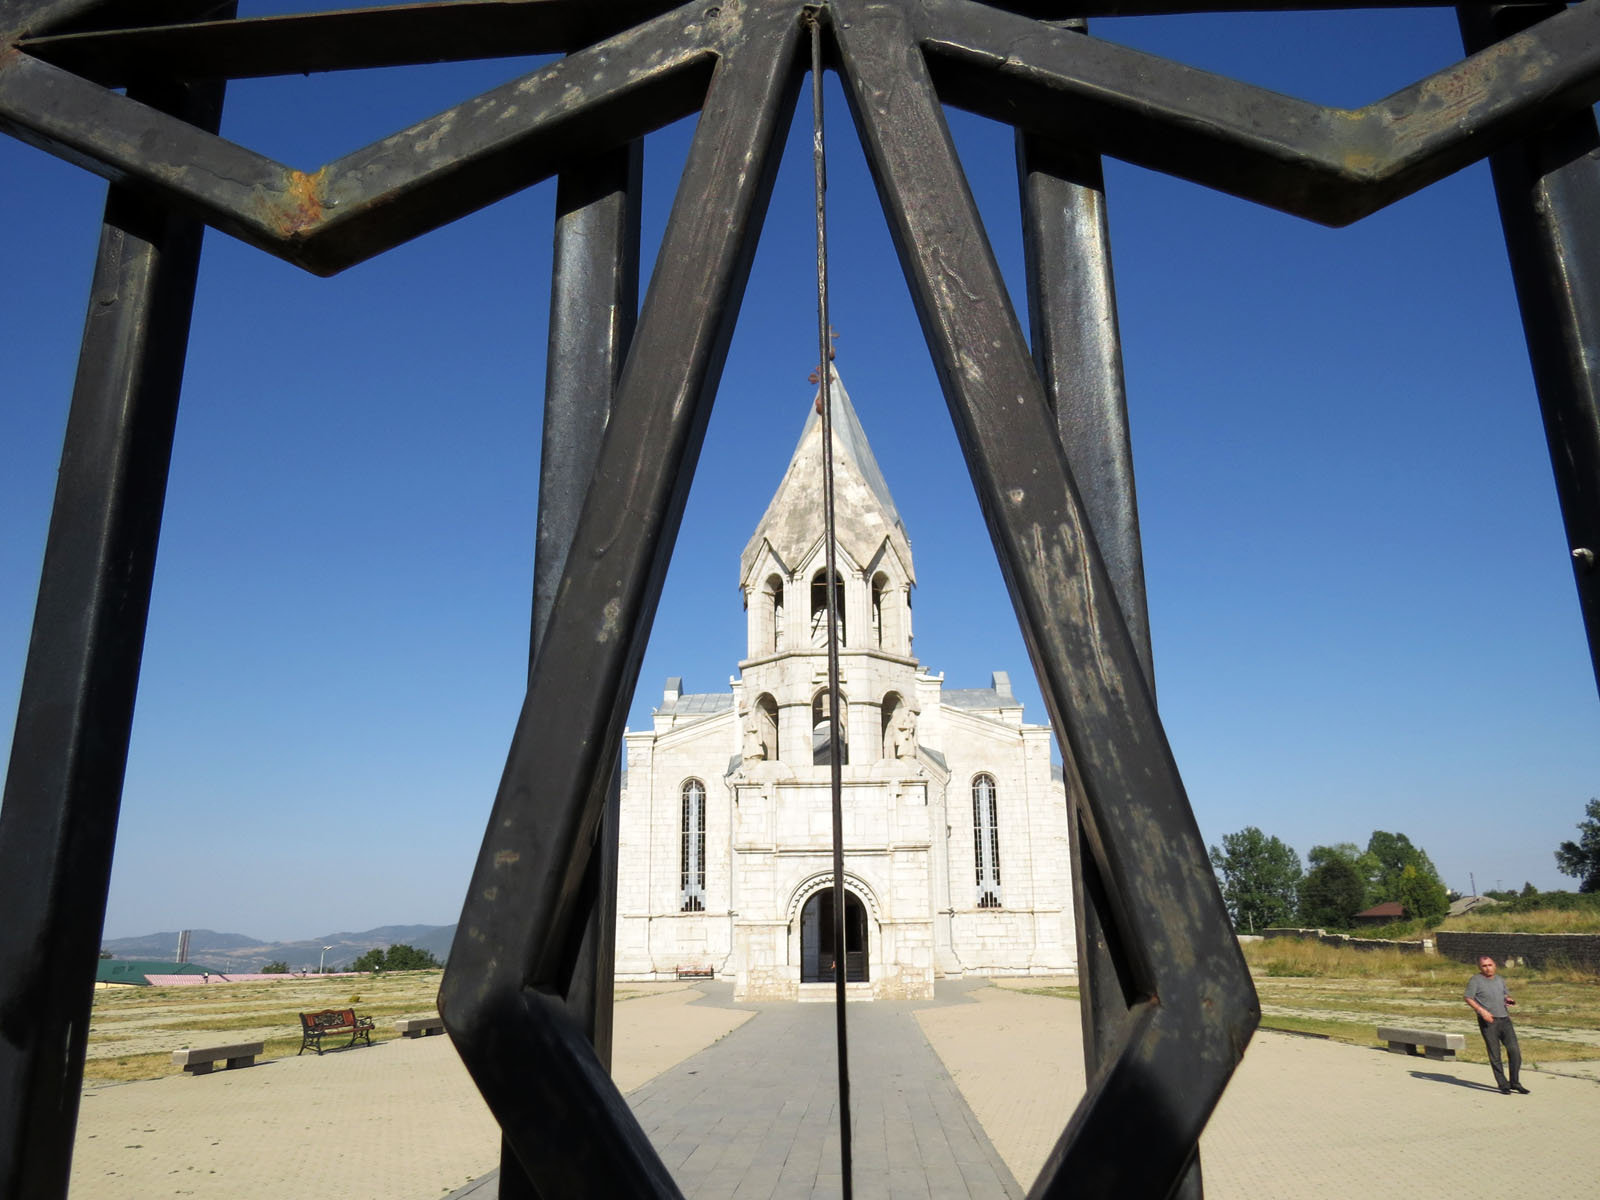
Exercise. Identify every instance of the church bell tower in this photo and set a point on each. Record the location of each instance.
(784, 576)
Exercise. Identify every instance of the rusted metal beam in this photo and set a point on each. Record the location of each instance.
(1549, 192)
(347, 40)
(20, 18)
(594, 294)
(396, 189)
(1327, 164)
(1072, 315)
(63, 788)
(570, 1129)
(594, 302)
(1194, 1009)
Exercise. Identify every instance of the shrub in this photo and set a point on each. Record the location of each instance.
(399, 957)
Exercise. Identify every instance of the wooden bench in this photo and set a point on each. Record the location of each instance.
(1433, 1045)
(697, 972)
(318, 1025)
(200, 1061)
(415, 1027)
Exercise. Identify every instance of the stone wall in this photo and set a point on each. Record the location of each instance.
(1345, 941)
(1531, 949)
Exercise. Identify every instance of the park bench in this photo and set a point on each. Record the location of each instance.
(415, 1027)
(1433, 1044)
(199, 1061)
(701, 972)
(317, 1025)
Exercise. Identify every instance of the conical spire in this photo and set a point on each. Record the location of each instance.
(864, 511)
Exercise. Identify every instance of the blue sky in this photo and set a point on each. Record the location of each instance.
(1362, 609)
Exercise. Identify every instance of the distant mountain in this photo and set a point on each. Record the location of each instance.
(164, 946)
(242, 953)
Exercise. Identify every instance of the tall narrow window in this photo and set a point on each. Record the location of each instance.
(822, 730)
(986, 841)
(694, 846)
(819, 609)
(879, 583)
(775, 601)
(767, 725)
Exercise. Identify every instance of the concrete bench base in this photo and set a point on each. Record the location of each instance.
(1426, 1042)
(415, 1027)
(200, 1061)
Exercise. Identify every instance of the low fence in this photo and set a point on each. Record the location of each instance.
(1346, 942)
(1580, 950)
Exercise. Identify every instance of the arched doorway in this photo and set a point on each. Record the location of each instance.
(817, 956)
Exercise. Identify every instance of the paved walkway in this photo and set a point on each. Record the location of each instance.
(756, 1115)
(1303, 1119)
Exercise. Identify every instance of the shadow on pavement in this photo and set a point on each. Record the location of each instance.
(1435, 1077)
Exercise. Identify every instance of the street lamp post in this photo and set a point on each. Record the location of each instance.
(321, 961)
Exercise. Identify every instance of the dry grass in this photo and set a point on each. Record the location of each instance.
(1544, 920)
(133, 1031)
(1344, 995)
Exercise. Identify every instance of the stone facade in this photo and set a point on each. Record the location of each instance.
(955, 829)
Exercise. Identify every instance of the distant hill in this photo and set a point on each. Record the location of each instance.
(240, 952)
(164, 946)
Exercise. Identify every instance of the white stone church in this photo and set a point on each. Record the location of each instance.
(955, 826)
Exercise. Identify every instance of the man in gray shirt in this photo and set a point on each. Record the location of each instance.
(1487, 996)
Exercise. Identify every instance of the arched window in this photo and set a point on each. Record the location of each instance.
(880, 584)
(821, 730)
(773, 598)
(767, 725)
(819, 608)
(887, 711)
(693, 891)
(986, 840)
(899, 727)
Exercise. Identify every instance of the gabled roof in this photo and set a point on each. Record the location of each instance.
(997, 695)
(864, 511)
(691, 703)
(1389, 908)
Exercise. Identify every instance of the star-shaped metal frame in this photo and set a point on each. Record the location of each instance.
(1169, 1005)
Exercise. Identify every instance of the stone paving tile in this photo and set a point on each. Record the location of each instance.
(756, 1114)
(1296, 1124)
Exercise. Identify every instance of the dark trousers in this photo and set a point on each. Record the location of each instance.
(1497, 1033)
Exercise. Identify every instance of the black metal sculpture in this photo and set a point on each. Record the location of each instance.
(526, 998)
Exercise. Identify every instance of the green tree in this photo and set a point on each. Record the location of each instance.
(402, 957)
(1333, 891)
(1421, 897)
(372, 960)
(278, 967)
(1260, 878)
(1422, 893)
(399, 957)
(1581, 859)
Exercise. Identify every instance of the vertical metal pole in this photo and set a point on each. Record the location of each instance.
(594, 302)
(1073, 327)
(1548, 186)
(841, 950)
(64, 784)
